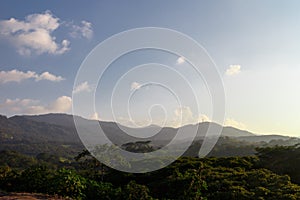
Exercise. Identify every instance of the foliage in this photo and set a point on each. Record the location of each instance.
(90, 166)
(190, 183)
(281, 160)
(8, 178)
(138, 147)
(102, 190)
(252, 177)
(67, 182)
(134, 191)
(16, 160)
(35, 179)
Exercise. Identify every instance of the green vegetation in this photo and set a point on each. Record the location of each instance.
(272, 174)
(282, 160)
(43, 154)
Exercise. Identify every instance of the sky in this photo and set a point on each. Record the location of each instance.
(254, 45)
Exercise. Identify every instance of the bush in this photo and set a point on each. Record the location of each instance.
(35, 179)
(134, 191)
(67, 182)
(101, 190)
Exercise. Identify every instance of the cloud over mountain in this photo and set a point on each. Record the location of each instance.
(31, 106)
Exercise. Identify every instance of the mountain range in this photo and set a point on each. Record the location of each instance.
(59, 129)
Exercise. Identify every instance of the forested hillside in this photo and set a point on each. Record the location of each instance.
(56, 134)
(43, 154)
(271, 174)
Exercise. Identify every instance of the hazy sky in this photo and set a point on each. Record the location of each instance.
(254, 44)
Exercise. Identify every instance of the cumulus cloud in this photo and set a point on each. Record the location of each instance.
(203, 118)
(15, 76)
(84, 30)
(180, 60)
(31, 106)
(183, 116)
(233, 70)
(49, 77)
(18, 76)
(83, 87)
(61, 104)
(34, 34)
(19, 102)
(234, 123)
(135, 86)
(95, 116)
(184, 112)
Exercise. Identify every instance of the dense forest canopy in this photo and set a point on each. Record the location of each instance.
(271, 174)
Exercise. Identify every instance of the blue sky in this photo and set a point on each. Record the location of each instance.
(254, 44)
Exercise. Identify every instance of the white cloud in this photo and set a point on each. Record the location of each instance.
(34, 34)
(83, 87)
(135, 86)
(233, 70)
(20, 102)
(83, 30)
(180, 60)
(18, 76)
(95, 116)
(234, 123)
(61, 104)
(49, 77)
(30, 106)
(15, 76)
(183, 116)
(204, 118)
(184, 112)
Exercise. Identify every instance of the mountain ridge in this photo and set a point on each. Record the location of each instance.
(59, 129)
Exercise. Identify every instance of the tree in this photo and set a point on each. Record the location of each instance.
(67, 182)
(282, 160)
(134, 191)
